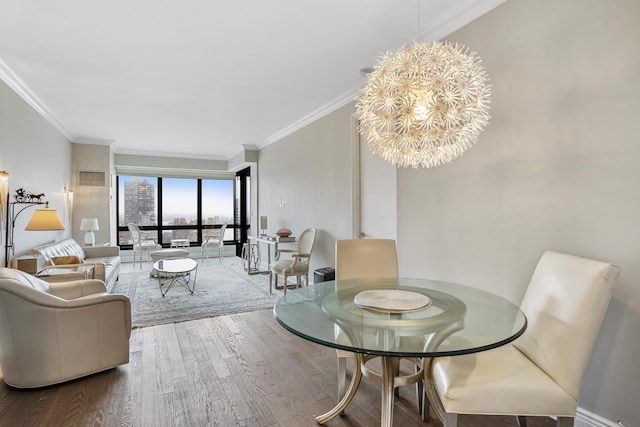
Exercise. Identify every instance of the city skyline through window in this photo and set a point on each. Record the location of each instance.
(142, 200)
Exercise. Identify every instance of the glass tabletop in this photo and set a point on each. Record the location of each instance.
(453, 319)
(175, 265)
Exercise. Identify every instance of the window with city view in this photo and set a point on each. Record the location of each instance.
(188, 208)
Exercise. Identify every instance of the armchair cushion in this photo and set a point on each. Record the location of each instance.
(66, 259)
(77, 288)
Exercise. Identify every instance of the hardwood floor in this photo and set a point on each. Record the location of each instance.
(237, 370)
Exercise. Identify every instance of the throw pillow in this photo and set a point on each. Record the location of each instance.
(66, 260)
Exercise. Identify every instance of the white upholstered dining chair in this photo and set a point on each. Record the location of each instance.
(540, 373)
(297, 265)
(364, 258)
(141, 243)
(214, 241)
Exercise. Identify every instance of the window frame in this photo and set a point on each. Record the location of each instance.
(160, 228)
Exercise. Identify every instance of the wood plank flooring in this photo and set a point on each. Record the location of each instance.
(237, 370)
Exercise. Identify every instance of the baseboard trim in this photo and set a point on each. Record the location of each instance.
(585, 418)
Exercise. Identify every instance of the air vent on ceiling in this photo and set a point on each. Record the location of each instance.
(92, 179)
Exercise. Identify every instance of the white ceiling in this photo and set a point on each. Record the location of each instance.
(203, 78)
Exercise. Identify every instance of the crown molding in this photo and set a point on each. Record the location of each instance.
(458, 18)
(455, 20)
(312, 117)
(19, 87)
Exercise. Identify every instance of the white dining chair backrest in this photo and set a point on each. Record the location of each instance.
(565, 304)
(366, 258)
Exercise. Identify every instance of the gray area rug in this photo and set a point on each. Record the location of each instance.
(221, 288)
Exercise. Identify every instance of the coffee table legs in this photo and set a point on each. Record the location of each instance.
(183, 279)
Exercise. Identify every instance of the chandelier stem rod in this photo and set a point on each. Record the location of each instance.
(419, 16)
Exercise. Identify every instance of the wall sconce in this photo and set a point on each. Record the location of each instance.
(42, 220)
(89, 225)
(4, 196)
(69, 199)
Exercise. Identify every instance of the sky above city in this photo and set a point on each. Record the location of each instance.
(180, 196)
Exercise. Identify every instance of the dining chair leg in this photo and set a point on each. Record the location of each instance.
(284, 283)
(426, 405)
(564, 421)
(450, 420)
(270, 282)
(396, 372)
(419, 392)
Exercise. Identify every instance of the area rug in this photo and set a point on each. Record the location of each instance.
(221, 288)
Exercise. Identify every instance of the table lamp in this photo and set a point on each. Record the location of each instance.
(89, 225)
(263, 225)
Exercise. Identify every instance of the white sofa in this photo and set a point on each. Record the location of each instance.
(55, 332)
(106, 258)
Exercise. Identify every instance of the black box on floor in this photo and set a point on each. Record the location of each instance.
(324, 274)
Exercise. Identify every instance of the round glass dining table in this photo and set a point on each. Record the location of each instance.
(397, 318)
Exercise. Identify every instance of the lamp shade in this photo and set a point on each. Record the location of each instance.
(89, 224)
(45, 220)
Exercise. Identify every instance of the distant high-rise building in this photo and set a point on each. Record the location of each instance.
(140, 202)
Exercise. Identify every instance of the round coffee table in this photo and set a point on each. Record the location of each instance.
(176, 271)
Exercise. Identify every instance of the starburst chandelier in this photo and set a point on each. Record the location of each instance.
(424, 105)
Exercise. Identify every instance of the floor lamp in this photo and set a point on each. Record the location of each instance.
(42, 220)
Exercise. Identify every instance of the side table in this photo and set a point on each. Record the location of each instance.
(180, 243)
(30, 263)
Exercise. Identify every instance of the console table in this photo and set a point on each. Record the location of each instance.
(270, 242)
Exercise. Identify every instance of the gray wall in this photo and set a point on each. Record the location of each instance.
(304, 180)
(38, 159)
(557, 168)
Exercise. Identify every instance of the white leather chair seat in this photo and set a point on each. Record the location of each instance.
(464, 386)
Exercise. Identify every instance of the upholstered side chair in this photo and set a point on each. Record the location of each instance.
(540, 373)
(55, 332)
(297, 265)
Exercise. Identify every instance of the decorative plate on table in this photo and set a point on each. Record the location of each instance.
(391, 300)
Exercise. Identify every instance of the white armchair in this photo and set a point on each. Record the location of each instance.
(540, 373)
(141, 243)
(54, 332)
(214, 241)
